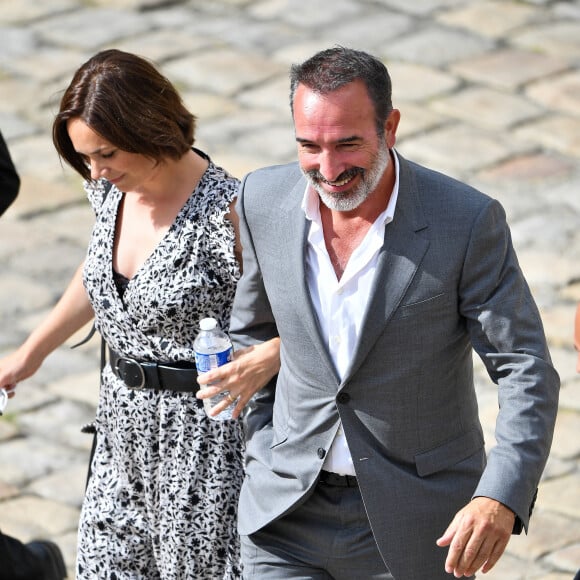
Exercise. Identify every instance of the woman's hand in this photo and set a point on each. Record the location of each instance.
(15, 368)
(251, 369)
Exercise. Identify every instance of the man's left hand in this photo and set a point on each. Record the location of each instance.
(477, 536)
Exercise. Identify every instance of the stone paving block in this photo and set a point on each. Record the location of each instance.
(560, 39)
(38, 195)
(237, 162)
(569, 393)
(566, 559)
(374, 32)
(313, 14)
(14, 126)
(8, 429)
(17, 236)
(558, 132)
(557, 468)
(28, 517)
(48, 64)
(538, 265)
(36, 157)
(64, 362)
(223, 71)
(492, 18)
(420, 7)
(438, 46)
(72, 224)
(558, 324)
(564, 360)
(42, 457)
(29, 395)
(457, 149)
(233, 129)
(22, 294)
(562, 495)
(53, 262)
(60, 423)
(549, 230)
(511, 568)
(548, 532)
(68, 545)
(536, 170)
(81, 387)
(91, 29)
(7, 491)
(65, 486)
(162, 45)
(508, 68)
(207, 106)
(560, 93)
(15, 42)
(567, 9)
(486, 107)
(566, 443)
(30, 10)
(273, 95)
(415, 120)
(417, 82)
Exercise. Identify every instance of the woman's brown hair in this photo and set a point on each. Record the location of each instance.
(126, 100)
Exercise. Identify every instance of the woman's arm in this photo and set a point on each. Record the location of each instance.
(70, 314)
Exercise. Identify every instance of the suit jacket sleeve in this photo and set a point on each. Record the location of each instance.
(507, 333)
(252, 321)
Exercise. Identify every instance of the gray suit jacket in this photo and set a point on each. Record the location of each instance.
(447, 282)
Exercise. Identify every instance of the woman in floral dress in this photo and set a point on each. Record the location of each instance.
(161, 502)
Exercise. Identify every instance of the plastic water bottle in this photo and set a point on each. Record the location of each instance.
(213, 349)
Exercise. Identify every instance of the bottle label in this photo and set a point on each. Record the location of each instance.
(206, 362)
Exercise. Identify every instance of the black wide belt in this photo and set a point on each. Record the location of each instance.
(335, 480)
(138, 375)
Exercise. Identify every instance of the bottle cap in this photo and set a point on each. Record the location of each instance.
(207, 323)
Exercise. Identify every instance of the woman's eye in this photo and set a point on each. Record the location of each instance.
(108, 155)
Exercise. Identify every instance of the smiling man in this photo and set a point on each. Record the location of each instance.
(365, 457)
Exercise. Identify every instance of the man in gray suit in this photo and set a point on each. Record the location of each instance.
(365, 457)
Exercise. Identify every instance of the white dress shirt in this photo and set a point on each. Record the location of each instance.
(341, 304)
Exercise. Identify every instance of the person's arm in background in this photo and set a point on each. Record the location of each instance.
(9, 178)
(68, 316)
(577, 335)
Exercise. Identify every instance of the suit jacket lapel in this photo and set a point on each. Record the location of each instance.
(399, 258)
(295, 232)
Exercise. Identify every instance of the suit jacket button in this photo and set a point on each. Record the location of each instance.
(321, 453)
(343, 398)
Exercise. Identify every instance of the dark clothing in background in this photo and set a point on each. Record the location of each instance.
(9, 179)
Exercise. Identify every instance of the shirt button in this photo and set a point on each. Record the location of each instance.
(343, 398)
(321, 453)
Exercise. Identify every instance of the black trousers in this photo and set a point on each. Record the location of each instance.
(17, 562)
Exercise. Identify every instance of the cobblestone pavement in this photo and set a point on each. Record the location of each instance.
(489, 92)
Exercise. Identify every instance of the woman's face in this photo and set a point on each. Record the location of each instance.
(128, 171)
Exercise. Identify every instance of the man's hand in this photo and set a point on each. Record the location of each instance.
(477, 536)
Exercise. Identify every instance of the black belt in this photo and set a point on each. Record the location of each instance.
(138, 375)
(335, 480)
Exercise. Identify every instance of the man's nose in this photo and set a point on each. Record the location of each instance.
(330, 166)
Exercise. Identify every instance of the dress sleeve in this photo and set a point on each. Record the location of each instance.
(97, 192)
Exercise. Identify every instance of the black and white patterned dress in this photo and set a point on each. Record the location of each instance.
(162, 499)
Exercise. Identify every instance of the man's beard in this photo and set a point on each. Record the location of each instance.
(352, 198)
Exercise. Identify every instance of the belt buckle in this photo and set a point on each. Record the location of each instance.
(132, 373)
